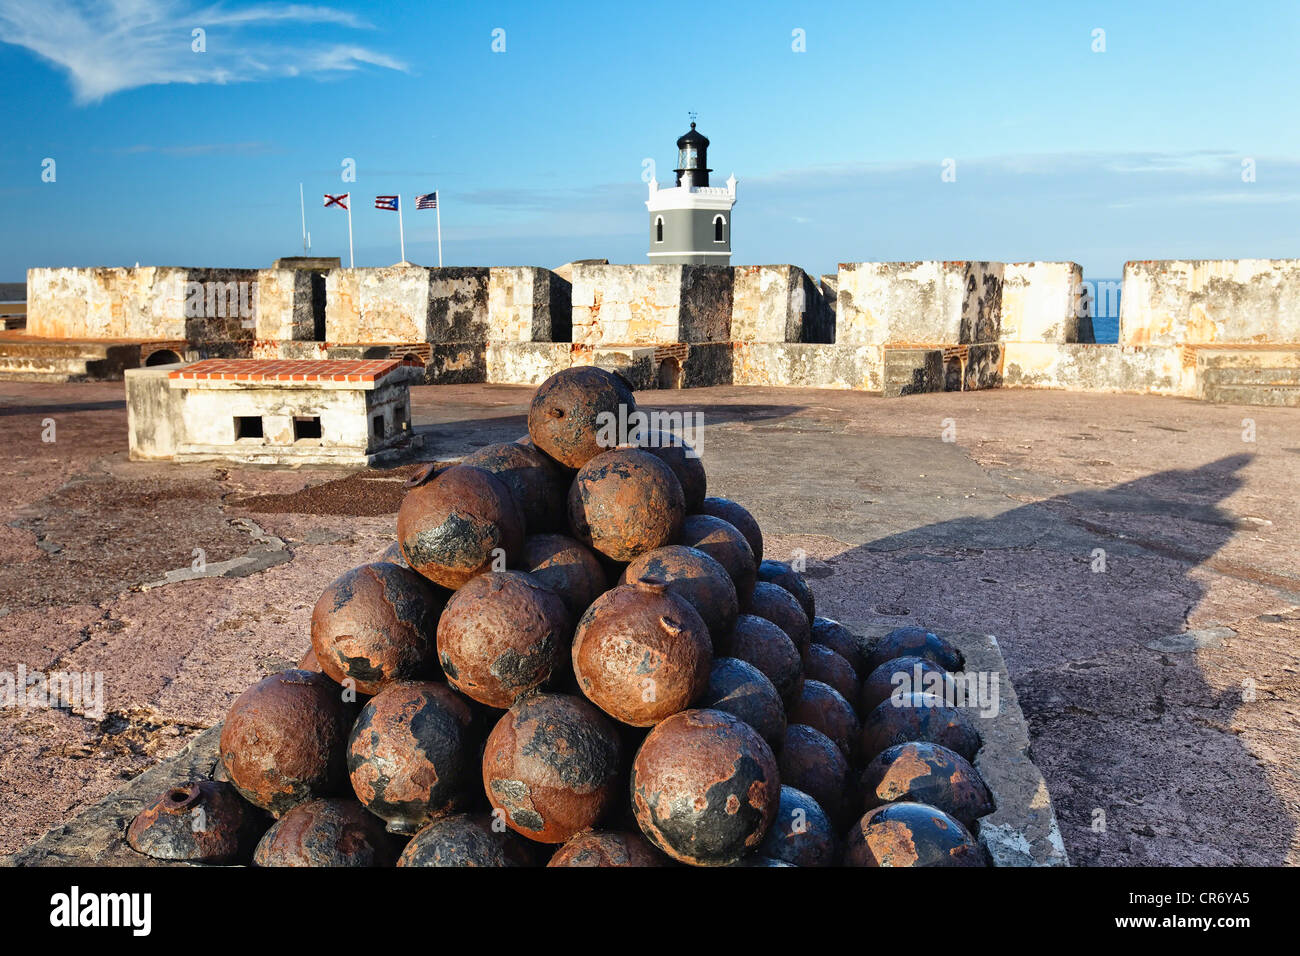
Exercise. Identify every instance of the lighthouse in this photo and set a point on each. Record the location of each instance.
(690, 222)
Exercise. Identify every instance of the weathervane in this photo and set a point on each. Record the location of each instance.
(694, 116)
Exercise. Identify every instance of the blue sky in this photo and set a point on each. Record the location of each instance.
(168, 156)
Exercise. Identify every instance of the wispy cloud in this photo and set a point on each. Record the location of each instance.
(107, 47)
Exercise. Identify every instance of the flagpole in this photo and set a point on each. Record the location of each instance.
(352, 262)
(401, 233)
(438, 206)
(302, 203)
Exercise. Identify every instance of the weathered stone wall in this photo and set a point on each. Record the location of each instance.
(275, 300)
(377, 305)
(706, 304)
(1161, 370)
(215, 309)
(528, 304)
(1042, 302)
(1188, 302)
(526, 363)
(406, 304)
(458, 305)
(778, 303)
(888, 303)
(808, 366)
(981, 304)
(229, 310)
(650, 304)
(959, 303)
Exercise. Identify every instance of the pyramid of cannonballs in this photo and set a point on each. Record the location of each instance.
(575, 657)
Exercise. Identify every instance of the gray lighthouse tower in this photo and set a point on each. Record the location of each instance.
(690, 222)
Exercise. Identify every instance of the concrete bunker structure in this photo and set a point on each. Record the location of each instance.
(277, 412)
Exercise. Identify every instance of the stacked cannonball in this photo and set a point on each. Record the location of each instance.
(575, 657)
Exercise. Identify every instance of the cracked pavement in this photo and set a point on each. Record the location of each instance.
(1134, 556)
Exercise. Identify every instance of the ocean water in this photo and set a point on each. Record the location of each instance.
(1103, 303)
(1106, 328)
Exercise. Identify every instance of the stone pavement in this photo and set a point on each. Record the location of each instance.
(1134, 556)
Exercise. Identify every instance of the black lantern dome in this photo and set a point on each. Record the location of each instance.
(693, 158)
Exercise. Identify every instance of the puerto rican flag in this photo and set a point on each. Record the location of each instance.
(386, 202)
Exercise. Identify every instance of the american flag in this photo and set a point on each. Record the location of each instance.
(427, 201)
(386, 202)
(340, 201)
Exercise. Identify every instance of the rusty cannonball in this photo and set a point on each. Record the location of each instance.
(411, 756)
(810, 761)
(641, 653)
(457, 524)
(566, 566)
(833, 634)
(393, 555)
(576, 414)
(502, 635)
(915, 642)
(608, 848)
(782, 574)
(681, 458)
(284, 740)
(822, 706)
(460, 839)
(739, 518)
(910, 834)
(624, 503)
(781, 608)
(823, 664)
(922, 772)
(801, 834)
(922, 717)
(538, 485)
(551, 765)
(721, 541)
(332, 831)
(695, 577)
(204, 821)
(741, 689)
(902, 675)
(705, 787)
(760, 642)
(376, 623)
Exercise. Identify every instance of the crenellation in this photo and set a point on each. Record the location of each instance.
(891, 327)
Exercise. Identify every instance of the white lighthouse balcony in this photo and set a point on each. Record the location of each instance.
(691, 197)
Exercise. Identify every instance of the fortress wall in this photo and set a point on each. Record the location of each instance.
(1018, 324)
(1188, 302)
(651, 304)
(883, 303)
(808, 366)
(767, 303)
(406, 304)
(528, 304)
(150, 302)
(275, 313)
(377, 305)
(1042, 302)
(1158, 370)
(617, 304)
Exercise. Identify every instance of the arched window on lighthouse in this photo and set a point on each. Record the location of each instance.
(719, 228)
(659, 228)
